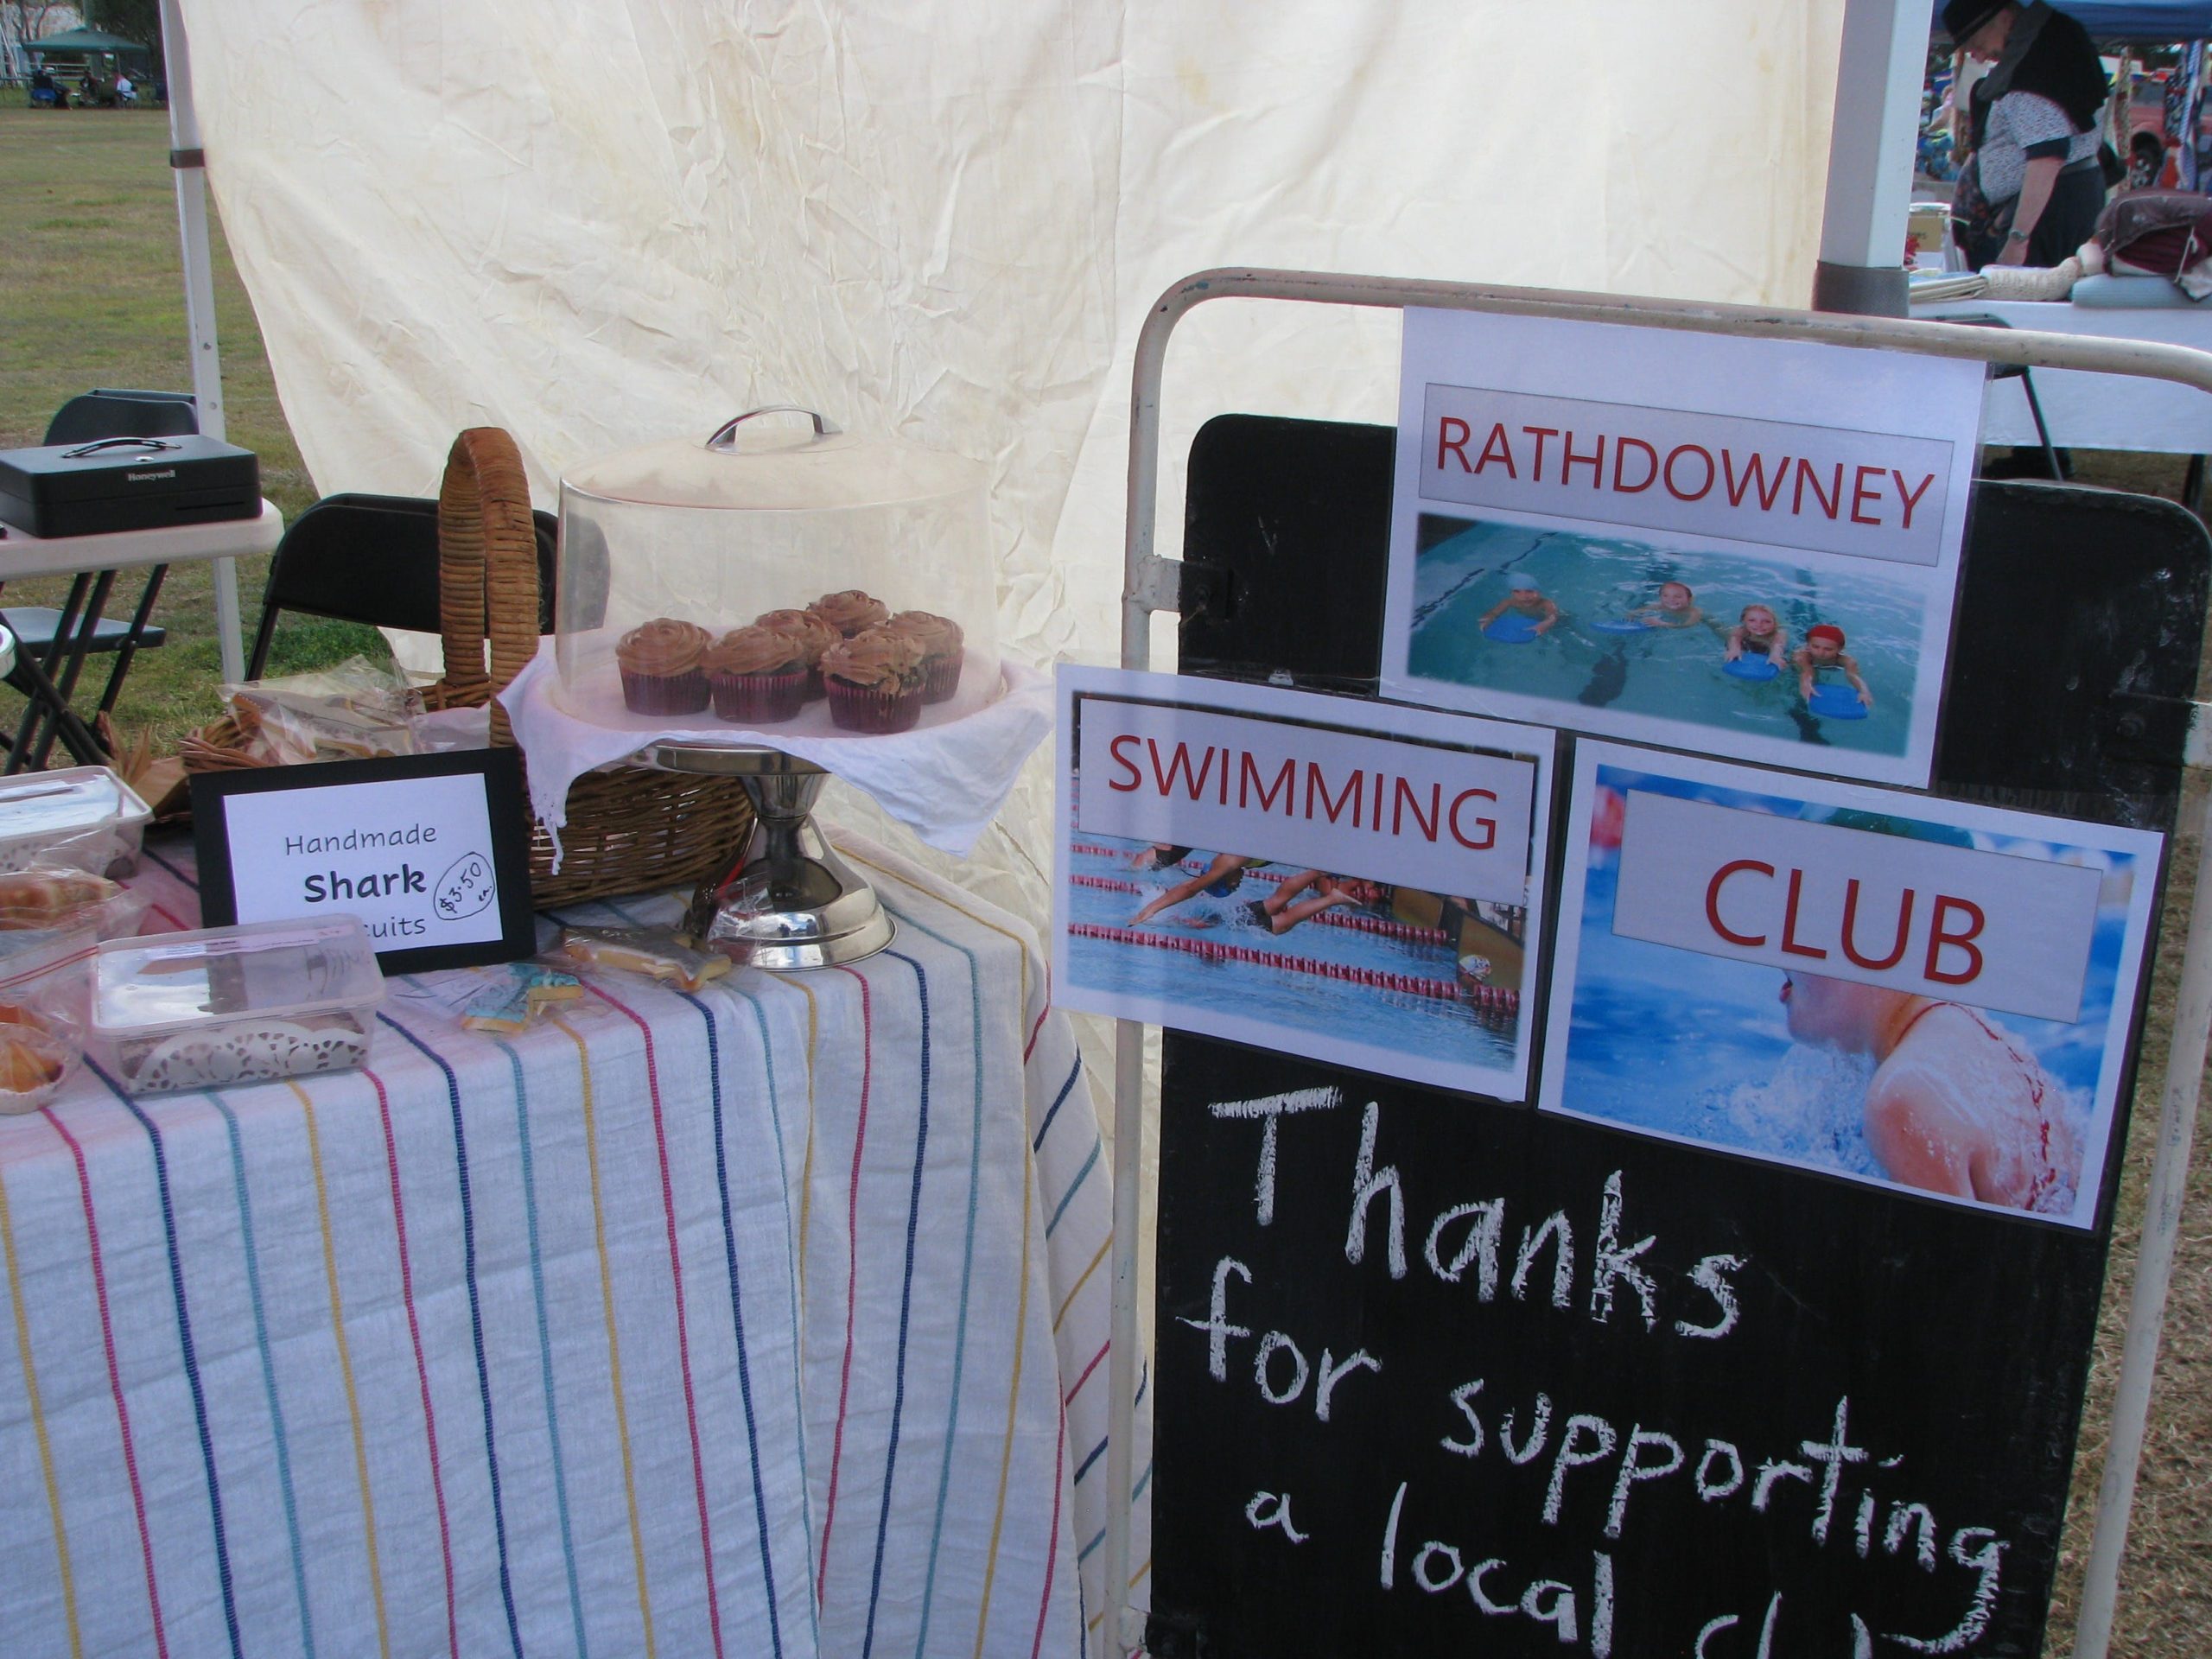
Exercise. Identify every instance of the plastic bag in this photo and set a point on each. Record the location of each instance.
(350, 711)
(47, 904)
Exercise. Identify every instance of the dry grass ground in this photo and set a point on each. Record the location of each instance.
(2165, 1604)
(91, 294)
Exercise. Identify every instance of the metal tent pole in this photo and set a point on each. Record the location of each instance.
(2154, 1266)
(1149, 583)
(188, 162)
(1878, 75)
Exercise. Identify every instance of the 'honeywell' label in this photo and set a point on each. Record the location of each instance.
(1443, 819)
(1985, 929)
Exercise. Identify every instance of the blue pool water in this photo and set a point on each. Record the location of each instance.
(1670, 673)
(1387, 1021)
(1696, 1046)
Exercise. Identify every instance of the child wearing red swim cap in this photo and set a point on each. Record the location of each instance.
(1823, 649)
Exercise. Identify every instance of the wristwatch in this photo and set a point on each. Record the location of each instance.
(2016, 235)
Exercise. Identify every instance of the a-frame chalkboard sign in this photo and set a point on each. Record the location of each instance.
(1375, 1433)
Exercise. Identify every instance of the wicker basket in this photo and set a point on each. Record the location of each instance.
(629, 829)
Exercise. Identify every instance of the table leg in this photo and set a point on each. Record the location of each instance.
(129, 648)
(227, 628)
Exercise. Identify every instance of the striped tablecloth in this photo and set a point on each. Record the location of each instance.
(769, 1320)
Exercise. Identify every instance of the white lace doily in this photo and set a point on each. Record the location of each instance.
(249, 1051)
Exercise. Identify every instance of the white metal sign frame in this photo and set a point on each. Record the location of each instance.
(1150, 583)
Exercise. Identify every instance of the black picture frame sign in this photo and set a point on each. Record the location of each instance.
(398, 840)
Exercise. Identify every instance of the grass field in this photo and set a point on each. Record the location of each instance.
(91, 294)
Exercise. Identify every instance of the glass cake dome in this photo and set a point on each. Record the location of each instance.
(781, 575)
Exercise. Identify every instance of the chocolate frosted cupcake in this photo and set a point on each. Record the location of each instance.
(757, 676)
(940, 639)
(874, 682)
(850, 611)
(810, 634)
(659, 661)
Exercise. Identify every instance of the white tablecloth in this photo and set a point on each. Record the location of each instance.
(2097, 411)
(769, 1320)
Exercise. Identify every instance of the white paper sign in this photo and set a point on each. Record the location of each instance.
(413, 860)
(1748, 547)
(1887, 988)
(1339, 879)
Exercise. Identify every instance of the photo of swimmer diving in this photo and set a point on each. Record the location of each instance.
(1350, 882)
(1897, 990)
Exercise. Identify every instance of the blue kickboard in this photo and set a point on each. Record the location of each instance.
(1510, 629)
(1751, 667)
(1836, 703)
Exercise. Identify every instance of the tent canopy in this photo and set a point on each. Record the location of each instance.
(87, 42)
(947, 220)
(2145, 22)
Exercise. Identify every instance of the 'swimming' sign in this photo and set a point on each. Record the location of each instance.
(1274, 866)
(1449, 819)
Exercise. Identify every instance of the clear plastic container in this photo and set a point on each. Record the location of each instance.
(41, 1022)
(85, 817)
(241, 1004)
(770, 515)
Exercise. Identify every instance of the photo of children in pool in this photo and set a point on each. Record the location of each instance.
(1628, 635)
(1327, 877)
(1740, 547)
(1904, 1083)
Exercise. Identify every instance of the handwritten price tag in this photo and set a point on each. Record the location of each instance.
(465, 887)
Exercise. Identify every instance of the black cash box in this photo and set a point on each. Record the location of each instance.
(111, 484)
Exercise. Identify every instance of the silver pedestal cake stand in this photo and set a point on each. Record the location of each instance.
(787, 902)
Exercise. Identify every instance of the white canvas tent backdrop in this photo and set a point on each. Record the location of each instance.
(596, 227)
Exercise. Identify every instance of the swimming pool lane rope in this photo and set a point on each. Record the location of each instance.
(1481, 996)
(1358, 924)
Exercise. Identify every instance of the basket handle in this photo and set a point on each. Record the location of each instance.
(488, 571)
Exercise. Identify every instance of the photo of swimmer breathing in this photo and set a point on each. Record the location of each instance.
(1897, 991)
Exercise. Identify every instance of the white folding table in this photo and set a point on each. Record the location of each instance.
(49, 678)
(2095, 411)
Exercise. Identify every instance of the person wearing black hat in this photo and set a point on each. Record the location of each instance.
(2031, 191)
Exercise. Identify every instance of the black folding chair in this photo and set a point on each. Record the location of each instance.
(372, 559)
(106, 412)
(2053, 467)
(52, 644)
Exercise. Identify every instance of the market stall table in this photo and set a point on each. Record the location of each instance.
(2095, 411)
(768, 1319)
(48, 678)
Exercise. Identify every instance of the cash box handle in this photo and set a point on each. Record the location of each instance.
(99, 444)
